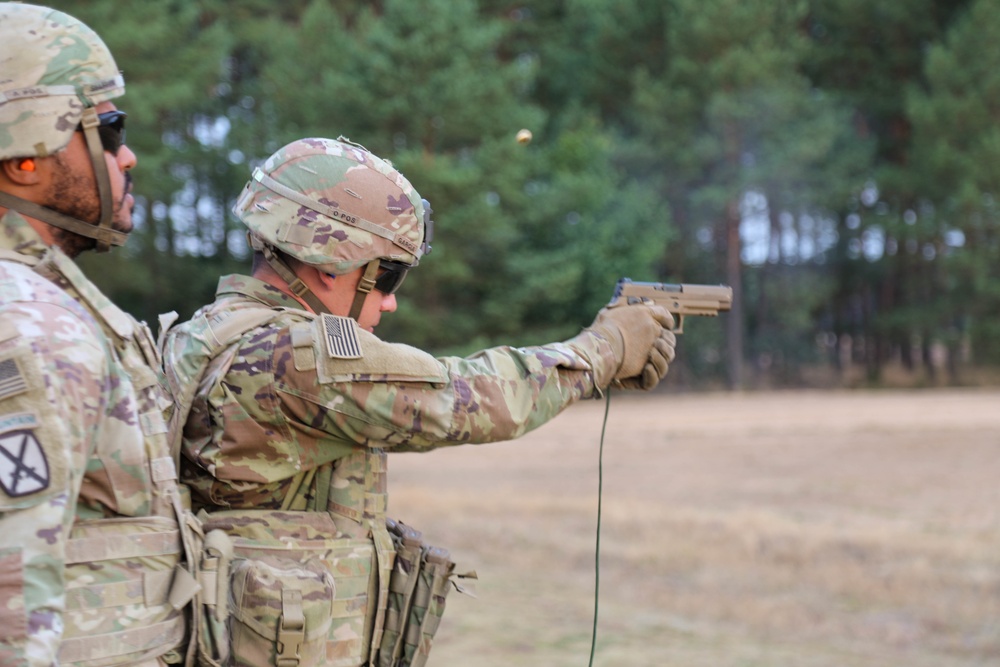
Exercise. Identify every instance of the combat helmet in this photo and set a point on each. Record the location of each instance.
(53, 73)
(333, 205)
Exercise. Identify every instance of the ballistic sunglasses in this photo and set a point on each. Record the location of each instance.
(390, 276)
(111, 129)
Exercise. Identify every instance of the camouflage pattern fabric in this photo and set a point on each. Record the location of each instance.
(295, 412)
(422, 576)
(284, 544)
(283, 612)
(273, 413)
(352, 206)
(57, 67)
(82, 439)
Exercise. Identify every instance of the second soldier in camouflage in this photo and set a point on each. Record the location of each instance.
(288, 401)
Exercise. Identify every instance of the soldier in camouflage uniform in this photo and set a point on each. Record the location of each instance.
(288, 401)
(89, 538)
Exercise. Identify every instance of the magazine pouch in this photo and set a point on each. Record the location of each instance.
(420, 581)
(281, 612)
(299, 589)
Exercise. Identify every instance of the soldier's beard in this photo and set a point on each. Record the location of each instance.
(76, 196)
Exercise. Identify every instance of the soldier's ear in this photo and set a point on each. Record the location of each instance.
(326, 279)
(21, 171)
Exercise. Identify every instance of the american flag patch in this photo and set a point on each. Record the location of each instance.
(341, 335)
(11, 381)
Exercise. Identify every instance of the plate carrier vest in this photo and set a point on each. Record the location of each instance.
(129, 581)
(343, 587)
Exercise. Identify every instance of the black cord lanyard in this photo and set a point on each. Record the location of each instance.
(597, 548)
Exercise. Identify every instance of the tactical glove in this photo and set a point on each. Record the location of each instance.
(641, 337)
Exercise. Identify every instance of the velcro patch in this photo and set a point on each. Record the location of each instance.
(341, 336)
(8, 331)
(12, 381)
(24, 469)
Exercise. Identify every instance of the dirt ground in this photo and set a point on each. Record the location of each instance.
(799, 529)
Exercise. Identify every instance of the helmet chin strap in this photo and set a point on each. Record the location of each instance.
(295, 284)
(297, 287)
(106, 237)
(102, 232)
(365, 287)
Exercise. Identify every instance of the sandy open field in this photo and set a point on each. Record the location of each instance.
(801, 529)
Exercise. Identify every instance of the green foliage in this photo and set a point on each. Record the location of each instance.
(955, 115)
(532, 244)
(892, 264)
(957, 153)
(785, 308)
(858, 138)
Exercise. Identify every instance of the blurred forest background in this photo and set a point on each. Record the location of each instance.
(836, 161)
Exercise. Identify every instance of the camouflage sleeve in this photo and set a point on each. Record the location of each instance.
(502, 393)
(497, 394)
(52, 370)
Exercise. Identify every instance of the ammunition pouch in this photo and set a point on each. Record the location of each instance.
(213, 614)
(282, 612)
(420, 581)
(289, 589)
(299, 593)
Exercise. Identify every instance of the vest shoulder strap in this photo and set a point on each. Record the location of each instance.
(189, 349)
(14, 256)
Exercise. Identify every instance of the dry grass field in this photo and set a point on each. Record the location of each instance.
(798, 529)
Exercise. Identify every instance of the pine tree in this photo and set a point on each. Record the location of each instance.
(956, 165)
(869, 55)
(730, 115)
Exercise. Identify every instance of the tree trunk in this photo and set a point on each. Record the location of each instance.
(734, 321)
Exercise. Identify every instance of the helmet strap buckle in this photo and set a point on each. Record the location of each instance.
(365, 286)
(367, 282)
(295, 284)
(298, 288)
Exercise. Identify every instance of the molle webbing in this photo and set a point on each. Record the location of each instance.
(358, 490)
(129, 579)
(421, 579)
(122, 578)
(357, 502)
(350, 536)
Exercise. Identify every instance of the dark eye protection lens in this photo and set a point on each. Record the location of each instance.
(111, 130)
(391, 276)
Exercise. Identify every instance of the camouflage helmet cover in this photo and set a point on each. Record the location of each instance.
(334, 205)
(52, 67)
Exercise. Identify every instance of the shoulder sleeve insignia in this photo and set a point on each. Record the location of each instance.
(23, 467)
(341, 335)
(382, 362)
(12, 381)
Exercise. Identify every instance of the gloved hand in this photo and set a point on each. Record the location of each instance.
(642, 339)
